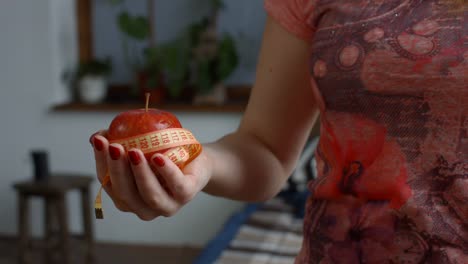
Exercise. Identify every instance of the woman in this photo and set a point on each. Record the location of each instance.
(389, 79)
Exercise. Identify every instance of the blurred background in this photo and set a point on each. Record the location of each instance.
(67, 67)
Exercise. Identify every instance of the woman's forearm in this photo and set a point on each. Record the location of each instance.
(254, 162)
(243, 168)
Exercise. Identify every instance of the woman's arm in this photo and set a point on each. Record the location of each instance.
(251, 164)
(254, 162)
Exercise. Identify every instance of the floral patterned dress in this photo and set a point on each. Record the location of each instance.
(390, 78)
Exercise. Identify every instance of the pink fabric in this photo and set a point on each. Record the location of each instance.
(293, 15)
(393, 153)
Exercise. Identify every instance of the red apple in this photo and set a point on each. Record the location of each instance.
(154, 131)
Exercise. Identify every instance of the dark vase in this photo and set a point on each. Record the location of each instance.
(40, 160)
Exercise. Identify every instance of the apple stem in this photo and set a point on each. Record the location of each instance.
(147, 95)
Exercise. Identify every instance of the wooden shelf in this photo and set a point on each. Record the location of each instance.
(115, 107)
(237, 97)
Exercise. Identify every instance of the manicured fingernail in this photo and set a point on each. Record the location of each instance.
(159, 161)
(114, 152)
(134, 157)
(98, 144)
(91, 138)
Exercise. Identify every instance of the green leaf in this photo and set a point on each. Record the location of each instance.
(175, 58)
(205, 77)
(95, 67)
(195, 30)
(228, 59)
(136, 27)
(217, 4)
(171, 58)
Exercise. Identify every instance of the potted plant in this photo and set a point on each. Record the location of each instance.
(92, 80)
(150, 77)
(214, 59)
(175, 61)
(145, 66)
(193, 65)
(197, 62)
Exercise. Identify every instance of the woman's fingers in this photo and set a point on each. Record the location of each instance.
(181, 186)
(100, 146)
(123, 184)
(122, 206)
(150, 189)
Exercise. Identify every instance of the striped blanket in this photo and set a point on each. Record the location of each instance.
(270, 235)
(270, 232)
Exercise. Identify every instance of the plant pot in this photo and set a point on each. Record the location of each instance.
(92, 89)
(157, 91)
(186, 96)
(217, 96)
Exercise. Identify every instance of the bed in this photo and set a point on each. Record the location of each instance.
(268, 232)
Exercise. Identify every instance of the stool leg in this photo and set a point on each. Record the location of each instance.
(63, 223)
(87, 223)
(48, 228)
(23, 231)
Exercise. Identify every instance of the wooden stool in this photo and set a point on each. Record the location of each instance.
(54, 191)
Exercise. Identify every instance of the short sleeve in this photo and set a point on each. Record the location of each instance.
(294, 15)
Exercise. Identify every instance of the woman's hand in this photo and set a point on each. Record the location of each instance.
(147, 189)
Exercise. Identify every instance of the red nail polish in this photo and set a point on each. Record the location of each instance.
(98, 144)
(114, 152)
(159, 161)
(134, 157)
(91, 138)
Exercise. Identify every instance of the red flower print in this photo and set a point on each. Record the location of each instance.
(357, 232)
(370, 232)
(358, 159)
